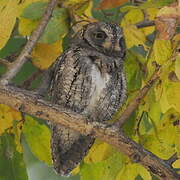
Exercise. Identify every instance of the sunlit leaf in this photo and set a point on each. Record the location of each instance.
(99, 152)
(177, 67)
(8, 13)
(45, 54)
(162, 50)
(26, 26)
(176, 164)
(132, 170)
(132, 17)
(88, 12)
(7, 116)
(164, 143)
(38, 138)
(173, 95)
(165, 105)
(106, 170)
(12, 165)
(134, 36)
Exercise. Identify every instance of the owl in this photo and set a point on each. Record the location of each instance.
(87, 79)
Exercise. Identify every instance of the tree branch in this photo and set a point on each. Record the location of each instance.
(138, 99)
(25, 53)
(5, 62)
(25, 101)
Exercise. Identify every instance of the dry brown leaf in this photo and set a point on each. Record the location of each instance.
(107, 4)
(166, 21)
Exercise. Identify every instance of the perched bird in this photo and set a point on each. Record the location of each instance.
(88, 79)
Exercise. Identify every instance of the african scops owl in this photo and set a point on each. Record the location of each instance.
(87, 79)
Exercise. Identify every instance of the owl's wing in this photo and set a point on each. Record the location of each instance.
(70, 87)
(71, 82)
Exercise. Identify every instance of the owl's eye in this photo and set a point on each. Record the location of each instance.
(100, 35)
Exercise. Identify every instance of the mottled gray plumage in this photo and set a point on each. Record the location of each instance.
(88, 79)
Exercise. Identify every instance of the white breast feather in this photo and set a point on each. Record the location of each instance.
(99, 82)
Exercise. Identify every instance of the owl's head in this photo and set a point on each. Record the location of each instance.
(105, 37)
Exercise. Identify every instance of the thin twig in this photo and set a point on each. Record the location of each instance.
(27, 83)
(25, 53)
(138, 99)
(145, 24)
(26, 102)
(172, 159)
(5, 62)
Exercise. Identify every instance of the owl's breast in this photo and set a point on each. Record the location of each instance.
(99, 82)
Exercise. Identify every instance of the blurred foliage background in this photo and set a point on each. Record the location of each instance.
(25, 140)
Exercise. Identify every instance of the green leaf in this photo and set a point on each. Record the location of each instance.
(134, 77)
(132, 170)
(38, 138)
(105, 170)
(12, 166)
(14, 45)
(25, 72)
(34, 11)
(57, 28)
(107, 15)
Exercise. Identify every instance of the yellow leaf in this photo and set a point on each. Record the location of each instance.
(45, 54)
(26, 26)
(170, 11)
(131, 171)
(162, 50)
(165, 106)
(151, 13)
(155, 112)
(134, 36)
(8, 13)
(164, 143)
(88, 12)
(7, 116)
(75, 170)
(173, 94)
(17, 130)
(176, 164)
(132, 17)
(99, 152)
(177, 66)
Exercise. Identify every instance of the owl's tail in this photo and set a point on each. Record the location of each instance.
(68, 148)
